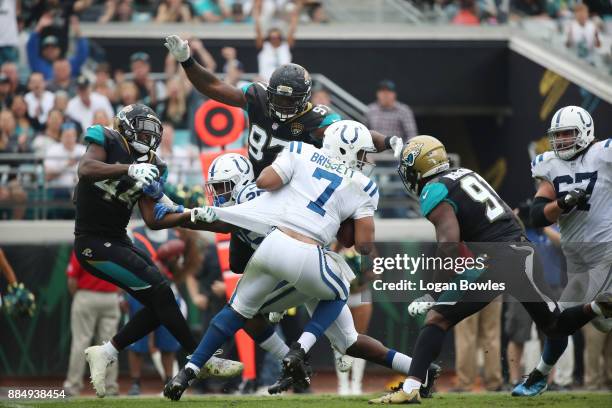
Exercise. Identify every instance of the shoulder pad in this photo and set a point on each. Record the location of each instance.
(329, 116)
(540, 166)
(95, 134)
(433, 194)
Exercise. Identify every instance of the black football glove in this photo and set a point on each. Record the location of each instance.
(574, 197)
(19, 300)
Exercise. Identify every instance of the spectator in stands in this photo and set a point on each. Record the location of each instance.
(274, 49)
(128, 94)
(94, 314)
(10, 70)
(181, 162)
(60, 163)
(483, 330)
(51, 135)
(38, 100)
(316, 12)
(9, 36)
(528, 8)
(62, 78)
(582, 35)
(211, 11)
(150, 91)
(238, 13)
(103, 83)
(8, 133)
(43, 52)
(25, 125)
(320, 96)
(389, 116)
(233, 68)
(81, 108)
(173, 11)
(467, 13)
(117, 10)
(12, 194)
(6, 97)
(61, 101)
(174, 108)
(101, 117)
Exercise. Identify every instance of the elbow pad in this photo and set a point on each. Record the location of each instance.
(536, 213)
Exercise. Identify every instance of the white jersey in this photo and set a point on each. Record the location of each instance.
(249, 192)
(591, 171)
(319, 194)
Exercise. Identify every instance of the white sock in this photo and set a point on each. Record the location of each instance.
(275, 346)
(357, 373)
(410, 385)
(110, 350)
(596, 309)
(194, 367)
(543, 367)
(401, 363)
(307, 340)
(343, 377)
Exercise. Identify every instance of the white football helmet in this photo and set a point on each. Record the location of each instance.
(227, 175)
(571, 130)
(350, 141)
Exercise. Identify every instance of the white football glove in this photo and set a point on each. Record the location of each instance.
(275, 317)
(204, 214)
(421, 305)
(143, 173)
(397, 144)
(178, 47)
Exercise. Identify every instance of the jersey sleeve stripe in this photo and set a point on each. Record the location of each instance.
(291, 145)
(540, 158)
(374, 191)
(368, 186)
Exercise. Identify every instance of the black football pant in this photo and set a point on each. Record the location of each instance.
(119, 262)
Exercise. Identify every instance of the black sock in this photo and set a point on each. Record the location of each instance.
(426, 350)
(141, 324)
(570, 320)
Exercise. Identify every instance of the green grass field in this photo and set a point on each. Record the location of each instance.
(556, 400)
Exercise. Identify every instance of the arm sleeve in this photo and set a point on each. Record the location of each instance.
(283, 165)
(81, 54)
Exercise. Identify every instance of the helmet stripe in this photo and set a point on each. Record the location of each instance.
(559, 116)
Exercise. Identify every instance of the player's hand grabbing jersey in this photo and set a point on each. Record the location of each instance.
(268, 135)
(104, 207)
(482, 215)
(591, 171)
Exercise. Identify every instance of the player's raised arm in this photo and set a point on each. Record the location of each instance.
(202, 79)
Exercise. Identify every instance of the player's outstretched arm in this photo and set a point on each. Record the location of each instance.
(364, 235)
(545, 210)
(93, 168)
(202, 79)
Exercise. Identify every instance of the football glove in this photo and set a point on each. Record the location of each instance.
(144, 173)
(155, 190)
(275, 317)
(19, 300)
(204, 214)
(160, 210)
(397, 144)
(178, 47)
(573, 198)
(421, 305)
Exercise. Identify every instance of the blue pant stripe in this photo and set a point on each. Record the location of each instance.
(327, 282)
(335, 277)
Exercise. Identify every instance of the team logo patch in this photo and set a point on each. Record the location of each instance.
(411, 155)
(296, 128)
(87, 252)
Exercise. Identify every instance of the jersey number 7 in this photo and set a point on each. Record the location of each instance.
(334, 182)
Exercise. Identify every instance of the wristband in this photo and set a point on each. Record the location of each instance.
(188, 62)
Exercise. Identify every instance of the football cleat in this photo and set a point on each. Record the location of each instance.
(399, 396)
(343, 362)
(175, 388)
(604, 301)
(296, 371)
(98, 360)
(220, 368)
(433, 372)
(535, 384)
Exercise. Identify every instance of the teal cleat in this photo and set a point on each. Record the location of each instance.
(535, 384)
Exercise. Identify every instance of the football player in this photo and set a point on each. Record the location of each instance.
(231, 181)
(311, 191)
(575, 190)
(279, 112)
(464, 208)
(118, 167)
